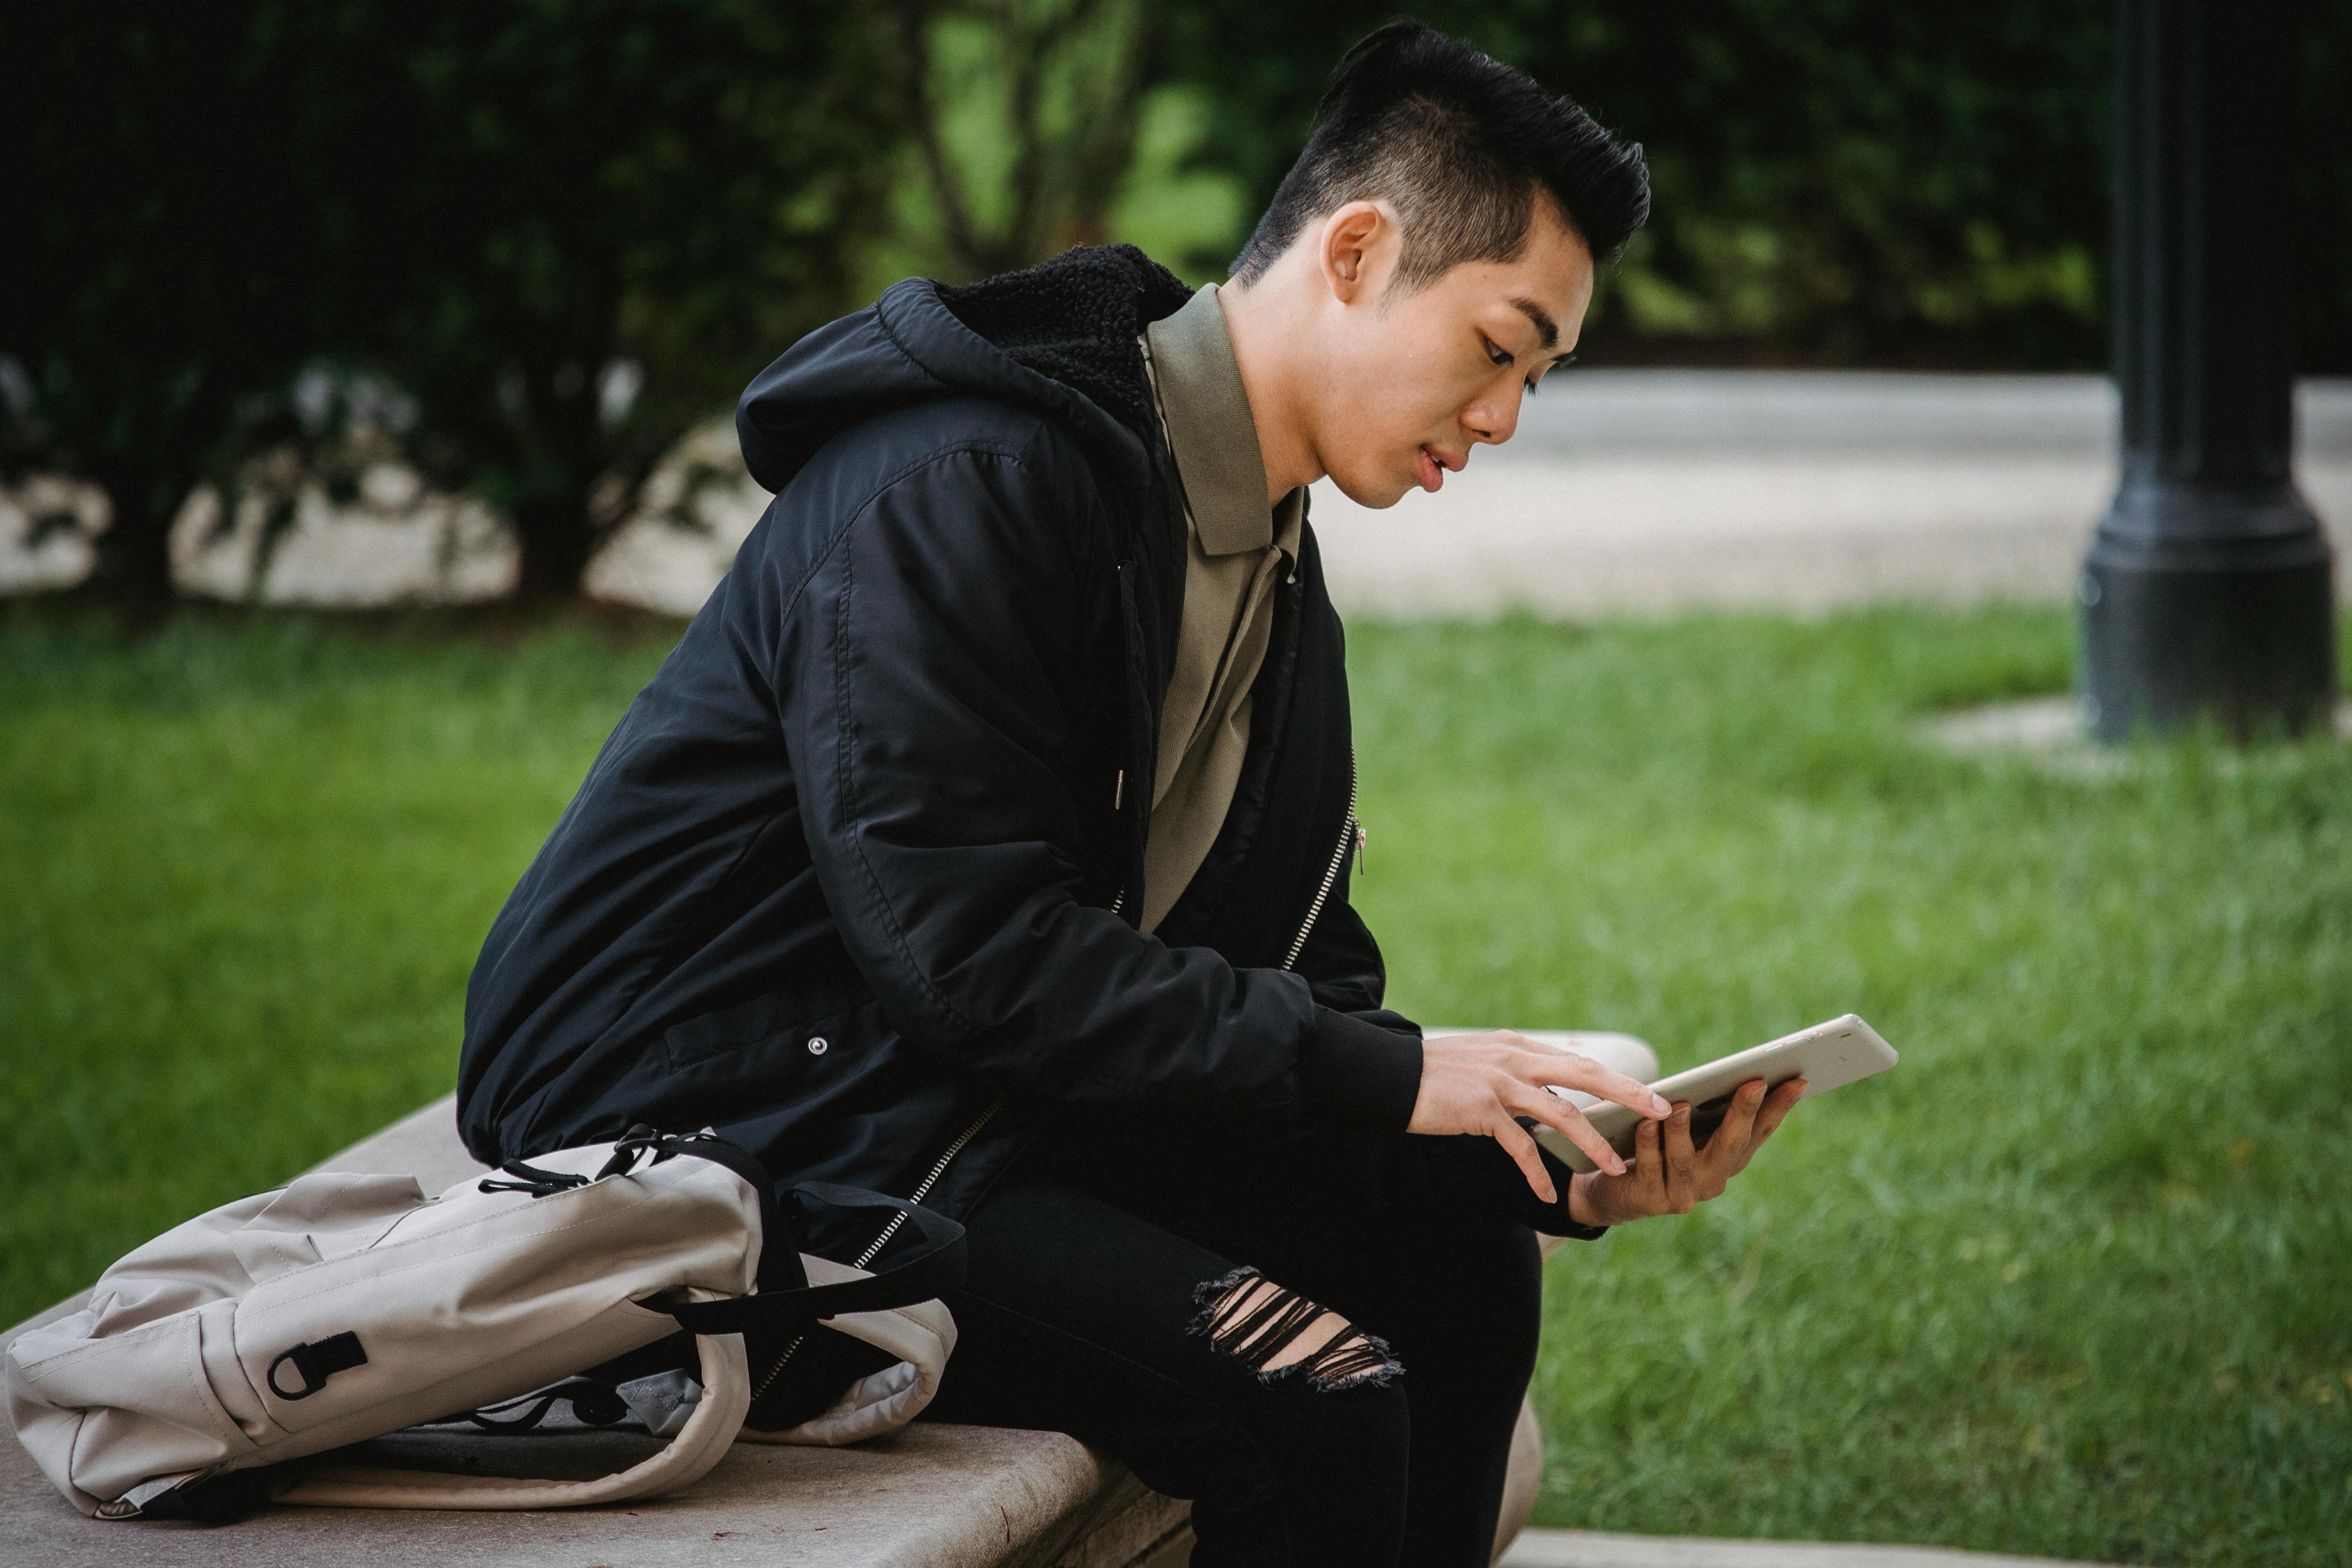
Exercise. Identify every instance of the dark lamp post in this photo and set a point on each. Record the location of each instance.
(2209, 592)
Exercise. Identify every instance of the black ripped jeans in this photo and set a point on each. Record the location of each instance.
(1083, 1314)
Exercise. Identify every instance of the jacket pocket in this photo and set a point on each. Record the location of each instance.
(813, 1025)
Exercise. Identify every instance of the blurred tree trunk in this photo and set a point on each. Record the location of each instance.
(161, 434)
(565, 484)
(132, 569)
(1068, 76)
(555, 543)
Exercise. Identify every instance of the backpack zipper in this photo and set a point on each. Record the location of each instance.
(1351, 836)
(938, 1168)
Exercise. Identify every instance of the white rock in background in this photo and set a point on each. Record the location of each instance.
(398, 545)
(697, 507)
(63, 557)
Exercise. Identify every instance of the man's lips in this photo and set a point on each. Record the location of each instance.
(1433, 467)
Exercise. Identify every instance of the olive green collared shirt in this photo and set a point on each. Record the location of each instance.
(1238, 550)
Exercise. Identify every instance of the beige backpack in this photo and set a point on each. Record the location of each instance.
(343, 1307)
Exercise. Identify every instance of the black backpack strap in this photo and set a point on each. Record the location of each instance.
(932, 1267)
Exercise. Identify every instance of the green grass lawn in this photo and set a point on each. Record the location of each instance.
(2077, 1278)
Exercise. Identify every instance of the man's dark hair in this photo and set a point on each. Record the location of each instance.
(1459, 143)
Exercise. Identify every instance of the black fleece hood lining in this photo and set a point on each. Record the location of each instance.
(1075, 319)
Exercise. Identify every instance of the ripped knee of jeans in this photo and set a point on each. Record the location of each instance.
(1276, 1333)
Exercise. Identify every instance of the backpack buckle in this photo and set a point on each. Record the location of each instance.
(314, 1363)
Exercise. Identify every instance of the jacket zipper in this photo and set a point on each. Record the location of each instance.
(938, 1169)
(1351, 834)
(922, 1188)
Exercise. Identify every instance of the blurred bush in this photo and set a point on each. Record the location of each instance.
(1837, 181)
(1027, 126)
(527, 244)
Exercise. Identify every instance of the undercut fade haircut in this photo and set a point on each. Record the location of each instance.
(1458, 144)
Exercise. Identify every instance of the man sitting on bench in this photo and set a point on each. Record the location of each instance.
(986, 839)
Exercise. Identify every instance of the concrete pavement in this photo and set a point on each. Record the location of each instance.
(1654, 490)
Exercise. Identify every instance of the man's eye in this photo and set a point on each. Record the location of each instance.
(1535, 381)
(1496, 353)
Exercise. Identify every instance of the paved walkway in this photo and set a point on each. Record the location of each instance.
(1658, 490)
(1624, 490)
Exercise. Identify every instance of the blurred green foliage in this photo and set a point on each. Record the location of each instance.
(162, 251)
(525, 244)
(1031, 125)
(530, 242)
(587, 224)
(1837, 181)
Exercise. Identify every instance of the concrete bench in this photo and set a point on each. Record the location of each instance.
(931, 1496)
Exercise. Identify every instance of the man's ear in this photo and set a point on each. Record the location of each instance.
(1357, 246)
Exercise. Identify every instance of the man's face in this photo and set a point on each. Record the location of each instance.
(1418, 378)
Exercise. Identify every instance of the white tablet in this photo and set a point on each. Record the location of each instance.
(1826, 1057)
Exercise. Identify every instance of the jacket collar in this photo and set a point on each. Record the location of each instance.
(1211, 431)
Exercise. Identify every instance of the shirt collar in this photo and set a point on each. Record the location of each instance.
(1210, 431)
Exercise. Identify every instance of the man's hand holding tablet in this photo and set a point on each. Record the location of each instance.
(1495, 1083)
(1487, 1083)
(1671, 1173)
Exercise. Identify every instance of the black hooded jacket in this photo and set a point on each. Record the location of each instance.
(854, 879)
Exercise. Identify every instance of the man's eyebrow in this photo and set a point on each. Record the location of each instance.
(1545, 328)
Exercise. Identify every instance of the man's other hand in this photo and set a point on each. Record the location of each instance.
(1484, 1083)
(1668, 1175)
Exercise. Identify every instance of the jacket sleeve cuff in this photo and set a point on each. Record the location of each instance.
(1354, 1073)
(1555, 1220)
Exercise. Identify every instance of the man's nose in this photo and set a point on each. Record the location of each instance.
(1492, 422)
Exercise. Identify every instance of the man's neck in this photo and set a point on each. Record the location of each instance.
(1263, 322)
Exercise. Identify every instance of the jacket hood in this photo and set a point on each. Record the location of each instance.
(1058, 339)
